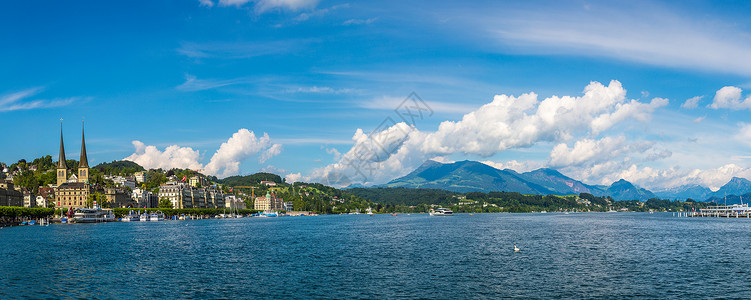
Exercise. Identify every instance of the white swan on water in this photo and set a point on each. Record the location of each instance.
(516, 249)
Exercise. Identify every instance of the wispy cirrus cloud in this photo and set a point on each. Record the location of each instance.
(21, 100)
(239, 50)
(192, 83)
(317, 13)
(390, 103)
(261, 6)
(359, 21)
(632, 31)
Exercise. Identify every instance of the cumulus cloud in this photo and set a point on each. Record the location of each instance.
(173, 156)
(274, 150)
(586, 151)
(692, 103)
(523, 166)
(507, 122)
(649, 177)
(294, 177)
(225, 161)
(730, 97)
(239, 147)
(273, 170)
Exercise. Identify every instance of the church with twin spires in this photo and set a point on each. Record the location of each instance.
(73, 191)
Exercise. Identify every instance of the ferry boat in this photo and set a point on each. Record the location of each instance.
(93, 215)
(442, 212)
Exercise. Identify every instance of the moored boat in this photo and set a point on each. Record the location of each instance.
(156, 216)
(93, 215)
(131, 217)
(442, 212)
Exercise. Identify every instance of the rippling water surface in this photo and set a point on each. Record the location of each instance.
(357, 256)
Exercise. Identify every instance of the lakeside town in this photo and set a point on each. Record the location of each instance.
(66, 187)
(80, 187)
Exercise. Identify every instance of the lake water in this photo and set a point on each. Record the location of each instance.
(592, 255)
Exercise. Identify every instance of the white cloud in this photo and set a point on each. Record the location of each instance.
(225, 161)
(15, 101)
(173, 156)
(321, 90)
(391, 103)
(207, 3)
(730, 97)
(359, 21)
(586, 151)
(317, 13)
(524, 166)
(273, 170)
(644, 32)
(744, 133)
(633, 109)
(692, 103)
(274, 150)
(262, 6)
(239, 50)
(193, 84)
(649, 177)
(294, 177)
(507, 122)
(336, 153)
(239, 147)
(698, 120)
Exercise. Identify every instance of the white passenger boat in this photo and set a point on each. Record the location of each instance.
(93, 215)
(442, 212)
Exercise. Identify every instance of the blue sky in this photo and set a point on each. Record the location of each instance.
(199, 83)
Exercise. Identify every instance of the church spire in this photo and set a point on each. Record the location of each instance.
(84, 162)
(62, 168)
(61, 160)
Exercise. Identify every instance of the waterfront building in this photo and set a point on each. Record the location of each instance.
(28, 199)
(199, 197)
(214, 198)
(288, 206)
(233, 202)
(8, 195)
(145, 198)
(268, 203)
(179, 194)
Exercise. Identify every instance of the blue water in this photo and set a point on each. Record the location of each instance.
(597, 255)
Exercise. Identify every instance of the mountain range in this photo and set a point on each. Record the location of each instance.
(472, 176)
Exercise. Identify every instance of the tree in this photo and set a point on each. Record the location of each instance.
(165, 203)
